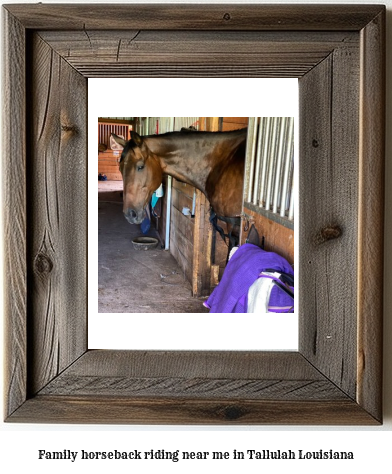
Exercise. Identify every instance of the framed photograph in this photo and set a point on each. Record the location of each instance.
(155, 287)
(337, 52)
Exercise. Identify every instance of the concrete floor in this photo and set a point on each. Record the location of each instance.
(135, 281)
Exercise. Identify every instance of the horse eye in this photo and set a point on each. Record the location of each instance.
(140, 168)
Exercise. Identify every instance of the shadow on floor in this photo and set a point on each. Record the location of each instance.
(136, 281)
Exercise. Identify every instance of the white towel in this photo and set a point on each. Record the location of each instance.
(259, 295)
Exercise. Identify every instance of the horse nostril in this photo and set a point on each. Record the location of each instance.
(130, 213)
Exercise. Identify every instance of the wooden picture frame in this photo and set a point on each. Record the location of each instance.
(337, 52)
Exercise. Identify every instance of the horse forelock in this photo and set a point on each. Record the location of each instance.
(130, 145)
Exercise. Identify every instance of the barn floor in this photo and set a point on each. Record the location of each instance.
(135, 281)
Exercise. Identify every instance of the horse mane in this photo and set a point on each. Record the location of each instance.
(191, 131)
(188, 132)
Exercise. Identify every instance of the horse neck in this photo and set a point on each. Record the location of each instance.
(183, 157)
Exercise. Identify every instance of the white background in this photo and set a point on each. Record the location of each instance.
(19, 444)
(154, 98)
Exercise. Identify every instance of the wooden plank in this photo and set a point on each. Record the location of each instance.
(136, 52)
(184, 187)
(57, 249)
(184, 224)
(120, 46)
(181, 201)
(153, 411)
(329, 239)
(109, 159)
(14, 213)
(181, 229)
(226, 127)
(112, 176)
(202, 247)
(201, 279)
(192, 17)
(182, 261)
(371, 217)
(208, 387)
(108, 163)
(184, 246)
(243, 120)
(278, 238)
(209, 364)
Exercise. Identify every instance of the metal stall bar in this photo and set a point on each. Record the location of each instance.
(279, 159)
(258, 161)
(291, 209)
(286, 199)
(249, 158)
(252, 160)
(271, 164)
(266, 144)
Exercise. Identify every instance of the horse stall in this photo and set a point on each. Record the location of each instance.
(180, 219)
(191, 239)
(163, 285)
(107, 158)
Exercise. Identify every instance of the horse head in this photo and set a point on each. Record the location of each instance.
(141, 172)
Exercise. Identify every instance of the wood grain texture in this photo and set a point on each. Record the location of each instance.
(57, 215)
(329, 197)
(207, 364)
(14, 212)
(192, 17)
(187, 374)
(202, 236)
(192, 387)
(88, 410)
(202, 239)
(192, 53)
(371, 216)
(278, 238)
(336, 376)
(182, 227)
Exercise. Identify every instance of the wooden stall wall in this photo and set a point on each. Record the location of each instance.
(182, 227)
(107, 158)
(233, 123)
(108, 165)
(276, 237)
(177, 246)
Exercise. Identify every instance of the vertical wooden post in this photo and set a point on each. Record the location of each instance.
(57, 209)
(201, 279)
(14, 212)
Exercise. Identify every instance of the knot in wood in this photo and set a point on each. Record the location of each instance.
(227, 16)
(232, 413)
(43, 264)
(328, 233)
(69, 128)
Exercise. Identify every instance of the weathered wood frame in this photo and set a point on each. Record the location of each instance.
(337, 52)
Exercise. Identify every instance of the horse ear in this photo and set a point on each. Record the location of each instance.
(137, 139)
(116, 142)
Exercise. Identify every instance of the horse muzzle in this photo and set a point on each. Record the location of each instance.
(134, 217)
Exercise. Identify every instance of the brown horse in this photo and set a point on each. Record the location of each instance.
(213, 162)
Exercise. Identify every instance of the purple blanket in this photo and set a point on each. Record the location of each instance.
(244, 267)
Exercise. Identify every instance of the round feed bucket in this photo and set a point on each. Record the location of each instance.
(144, 243)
